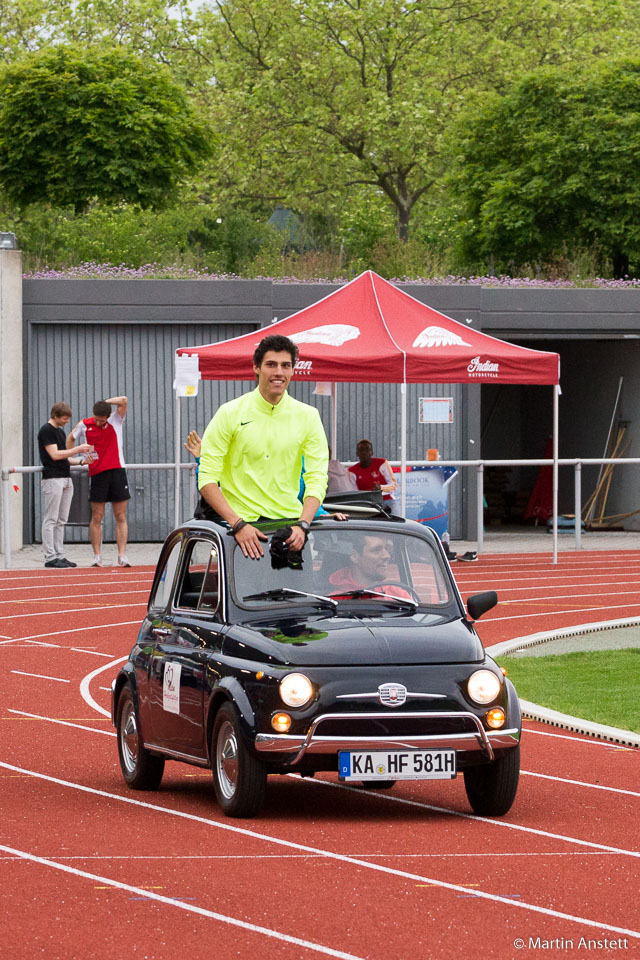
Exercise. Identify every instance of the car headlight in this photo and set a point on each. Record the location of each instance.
(483, 686)
(296, 690)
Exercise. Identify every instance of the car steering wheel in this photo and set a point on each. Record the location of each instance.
(396, 583)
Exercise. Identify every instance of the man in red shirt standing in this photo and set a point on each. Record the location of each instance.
(107, 475)
(375, 473)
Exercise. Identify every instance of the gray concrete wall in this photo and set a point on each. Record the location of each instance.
(595, 331)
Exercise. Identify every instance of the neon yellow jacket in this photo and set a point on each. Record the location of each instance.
(254, 450)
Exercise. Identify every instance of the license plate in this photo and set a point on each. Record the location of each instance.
(398, 765)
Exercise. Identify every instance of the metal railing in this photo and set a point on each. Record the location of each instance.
(8, 472)
(479, 465)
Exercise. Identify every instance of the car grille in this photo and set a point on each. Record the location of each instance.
(394, 725)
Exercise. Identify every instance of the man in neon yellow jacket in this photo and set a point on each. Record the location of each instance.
(252, 450)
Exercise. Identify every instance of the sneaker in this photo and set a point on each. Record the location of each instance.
(123, 562)
(56, 562)
(97, 562)
(469, 557)
(68, 563)
(451, 556)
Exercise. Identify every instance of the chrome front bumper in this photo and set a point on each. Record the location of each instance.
(315, 743)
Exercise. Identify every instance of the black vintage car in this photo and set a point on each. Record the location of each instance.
(354, 656)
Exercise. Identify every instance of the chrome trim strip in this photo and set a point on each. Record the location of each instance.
(177, 754)
(375, 696)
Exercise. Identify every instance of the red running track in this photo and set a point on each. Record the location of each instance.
(89, 868)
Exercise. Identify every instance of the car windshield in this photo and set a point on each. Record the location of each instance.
(398, 569)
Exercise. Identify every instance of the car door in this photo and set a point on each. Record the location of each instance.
(157, 625)
(182, 648)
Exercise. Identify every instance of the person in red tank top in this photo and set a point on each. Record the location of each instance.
(107, 475)
(374, 473)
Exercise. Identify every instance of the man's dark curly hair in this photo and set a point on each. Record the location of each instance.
(275, 341)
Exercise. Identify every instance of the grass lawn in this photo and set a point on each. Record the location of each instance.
(599, 685)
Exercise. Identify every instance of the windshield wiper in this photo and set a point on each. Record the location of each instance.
(365, 592)
(285, 593)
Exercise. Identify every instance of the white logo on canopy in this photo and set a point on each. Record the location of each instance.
(332, 334)
(439, 337)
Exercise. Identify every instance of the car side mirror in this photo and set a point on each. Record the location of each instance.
(479, 603)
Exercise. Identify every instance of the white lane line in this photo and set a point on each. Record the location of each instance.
(308, 856)
(562, 613)
(191, 908)
(61, 633)
(83, 610)
(581, 783)
(565, 736)
(64, 723)
(24, 585)
(549, 580)
(329, 783)
(71, 596)
(469, 816)
(93, 653)
(40, 676)
(331, 855)
(543, 598)
(84, 685)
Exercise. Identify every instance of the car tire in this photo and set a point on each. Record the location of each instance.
(491, 788)
(140, 769)
(239, 779)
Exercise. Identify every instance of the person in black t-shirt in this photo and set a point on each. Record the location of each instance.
(56, 483)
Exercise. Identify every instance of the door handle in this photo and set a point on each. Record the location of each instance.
(161, 632)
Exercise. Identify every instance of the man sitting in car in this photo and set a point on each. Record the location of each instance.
(368, 568)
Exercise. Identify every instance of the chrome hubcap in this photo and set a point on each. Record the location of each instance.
(129, 740)
(227, 760)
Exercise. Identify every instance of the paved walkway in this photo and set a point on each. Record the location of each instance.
(501, 540)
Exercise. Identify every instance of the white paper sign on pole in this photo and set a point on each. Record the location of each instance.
(187, 375)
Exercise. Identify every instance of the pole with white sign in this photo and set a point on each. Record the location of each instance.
(187, 379)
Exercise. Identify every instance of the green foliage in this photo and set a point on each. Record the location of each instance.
(189, 233)
(600, 685)
(315, 97)
(80, 124)
(552, 166)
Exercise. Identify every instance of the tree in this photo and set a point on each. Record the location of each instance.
(553, 165)
(82, 124)
(313, 97)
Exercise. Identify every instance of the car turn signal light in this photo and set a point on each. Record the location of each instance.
(495, 718)
(281, 722)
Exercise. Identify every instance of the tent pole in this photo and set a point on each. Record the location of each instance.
(403, 449)
(556, 397)
(176, 502)
(334, 421)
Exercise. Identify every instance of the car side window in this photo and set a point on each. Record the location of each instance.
(199, 587)
(160, 598)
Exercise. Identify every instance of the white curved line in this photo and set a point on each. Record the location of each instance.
(84, 686)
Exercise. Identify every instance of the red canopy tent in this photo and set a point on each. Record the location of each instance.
(369, 331)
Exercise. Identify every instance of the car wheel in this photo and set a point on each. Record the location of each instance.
(491, 788)
(140, 769)
(238, 778)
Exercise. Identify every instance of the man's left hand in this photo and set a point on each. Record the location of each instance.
(297, 539)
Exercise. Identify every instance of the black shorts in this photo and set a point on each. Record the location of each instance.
(109, 486)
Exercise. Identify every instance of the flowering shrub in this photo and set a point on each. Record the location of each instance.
(155, 271)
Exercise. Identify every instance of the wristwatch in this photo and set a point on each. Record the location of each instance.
(304, 525)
